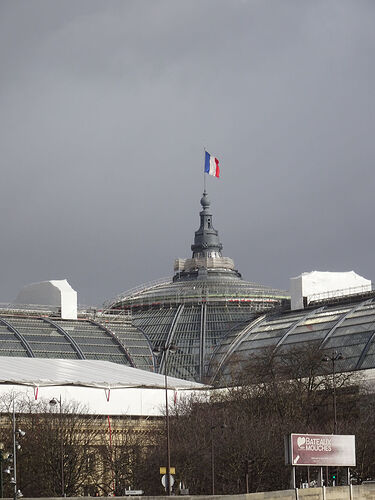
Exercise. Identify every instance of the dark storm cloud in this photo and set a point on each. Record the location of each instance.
(106, 107)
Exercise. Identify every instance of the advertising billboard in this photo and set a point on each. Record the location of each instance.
(320, 450)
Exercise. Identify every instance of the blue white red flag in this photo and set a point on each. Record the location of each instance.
(211, 165)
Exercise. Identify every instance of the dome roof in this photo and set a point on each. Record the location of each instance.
(206, 277)
(197, 308)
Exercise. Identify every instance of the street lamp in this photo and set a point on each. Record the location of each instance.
(1, 469)
(168, 348)
(54, 402)
(17, 433)
(335, 356)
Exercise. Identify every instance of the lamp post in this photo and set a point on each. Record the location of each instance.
(335, 356)
(54, 402)
(17, 433)
(168, 348)
(1, 469)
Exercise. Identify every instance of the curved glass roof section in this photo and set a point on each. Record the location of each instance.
(195, 328)
(214, 341)
(136, 345)
(52, 337)
(349, 328)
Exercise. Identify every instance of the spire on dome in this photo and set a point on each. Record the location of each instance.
(206, 240)
(207, 262)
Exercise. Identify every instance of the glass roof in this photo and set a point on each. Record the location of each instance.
(349, 329)
(212, 338)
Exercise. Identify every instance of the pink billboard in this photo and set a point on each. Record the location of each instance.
(320, 450)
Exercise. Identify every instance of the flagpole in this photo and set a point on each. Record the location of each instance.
(204, 173)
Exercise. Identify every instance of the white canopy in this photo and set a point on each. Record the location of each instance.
(40, 372)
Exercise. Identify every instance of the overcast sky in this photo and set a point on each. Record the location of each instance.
(106, 106)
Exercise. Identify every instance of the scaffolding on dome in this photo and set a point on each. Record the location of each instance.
(166, 293)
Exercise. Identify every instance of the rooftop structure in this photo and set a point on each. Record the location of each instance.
(310, 287)
(56, 293)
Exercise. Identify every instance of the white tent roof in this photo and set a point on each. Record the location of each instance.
(39, 372)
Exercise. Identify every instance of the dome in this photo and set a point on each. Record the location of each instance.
(199, 306)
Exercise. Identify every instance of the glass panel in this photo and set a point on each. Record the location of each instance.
(339, 342)
(317, 320)
(306, 337)
(352, 330)
(368, 362)
(357, 321)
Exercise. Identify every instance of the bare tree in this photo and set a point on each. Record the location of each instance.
(48, 440)
(278, 393)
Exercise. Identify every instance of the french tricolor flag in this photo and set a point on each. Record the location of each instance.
(211, 165)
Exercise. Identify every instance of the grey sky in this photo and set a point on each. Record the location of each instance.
(105, 109)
